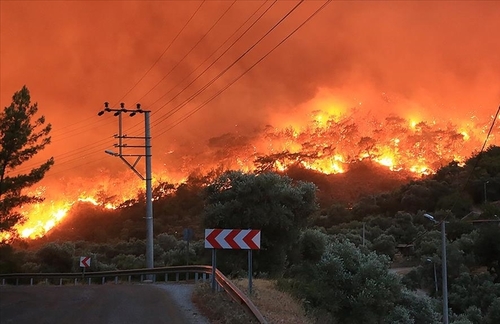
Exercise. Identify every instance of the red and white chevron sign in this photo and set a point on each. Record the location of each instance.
(239, 239)
(85, 262)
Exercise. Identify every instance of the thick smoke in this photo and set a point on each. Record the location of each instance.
(423, 60)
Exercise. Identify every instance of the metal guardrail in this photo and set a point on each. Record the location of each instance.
(236, 294)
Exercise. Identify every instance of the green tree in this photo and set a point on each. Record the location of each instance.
(22, 135)
(56, 257)
(493, 315)
(385, 244)
(487, 249)
(269, 202)
(312, 245)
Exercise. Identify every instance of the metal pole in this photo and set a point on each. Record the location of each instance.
(435, 277)
(249, 272)
(120, 133)
(147, 177)
(149, 196)
(363, 234)
(214, 266)
(445, 274)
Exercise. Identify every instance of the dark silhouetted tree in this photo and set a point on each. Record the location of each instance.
(22, 135)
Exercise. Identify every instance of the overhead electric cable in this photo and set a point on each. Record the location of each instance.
(217, 59)
(186, 101)
(245, 72)
(78, 150)
(189, 52)
(163, 53)
(150, 68)
(227, 49)
(478, 157)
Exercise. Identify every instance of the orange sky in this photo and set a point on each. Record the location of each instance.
(431, 59)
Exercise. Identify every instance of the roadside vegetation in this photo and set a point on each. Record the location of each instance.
(274, 304)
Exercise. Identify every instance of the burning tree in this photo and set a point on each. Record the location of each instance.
(21, 137)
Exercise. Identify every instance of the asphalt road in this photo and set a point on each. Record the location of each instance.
(106, 304)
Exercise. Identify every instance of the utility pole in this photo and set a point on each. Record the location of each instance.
(485, 192)
(147, 154)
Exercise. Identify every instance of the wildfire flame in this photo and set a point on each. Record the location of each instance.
(328, 142)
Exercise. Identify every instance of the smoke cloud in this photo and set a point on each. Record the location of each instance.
(424, 60)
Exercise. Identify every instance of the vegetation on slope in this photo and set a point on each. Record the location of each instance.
(321, 255)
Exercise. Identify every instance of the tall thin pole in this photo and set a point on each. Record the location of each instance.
(147, 155)
(149, 196)
(363, 234)
(444, 274)
(435, 277)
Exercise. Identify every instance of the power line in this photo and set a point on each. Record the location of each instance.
(478, 158)
(163, 53)
(217, 59)
(192, 48)
(92, 150)
(217, 49)
(245, 72)
(78, 150)
(147, 71)
(186, 101)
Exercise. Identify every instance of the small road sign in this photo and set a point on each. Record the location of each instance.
(243, 239)
(85, 262)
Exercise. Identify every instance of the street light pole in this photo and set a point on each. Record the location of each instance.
(444, 273)
(443, 266)
(435, 275)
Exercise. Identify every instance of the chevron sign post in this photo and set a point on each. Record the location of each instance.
(236, 239)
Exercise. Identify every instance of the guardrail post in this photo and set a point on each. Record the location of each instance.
(76, 281)
(177, 276)
(60, 281)
(3, 281)
(204, 276)
(46, 281)
(116, 280)
(129, 278)
(103, 280)
(166, 277)
(90, 279)
(142, 278)
(196, 277)
(154, 277)
(31, 281)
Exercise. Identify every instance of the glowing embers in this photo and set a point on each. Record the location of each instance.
(94, 202)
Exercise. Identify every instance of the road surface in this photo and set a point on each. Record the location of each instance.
(106, 304)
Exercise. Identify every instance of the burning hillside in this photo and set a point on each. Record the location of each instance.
(327, 143)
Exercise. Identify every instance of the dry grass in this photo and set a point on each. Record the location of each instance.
(218, 307)
(276, 306)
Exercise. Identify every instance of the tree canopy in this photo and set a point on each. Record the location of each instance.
(22, 136)
(269, 202)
